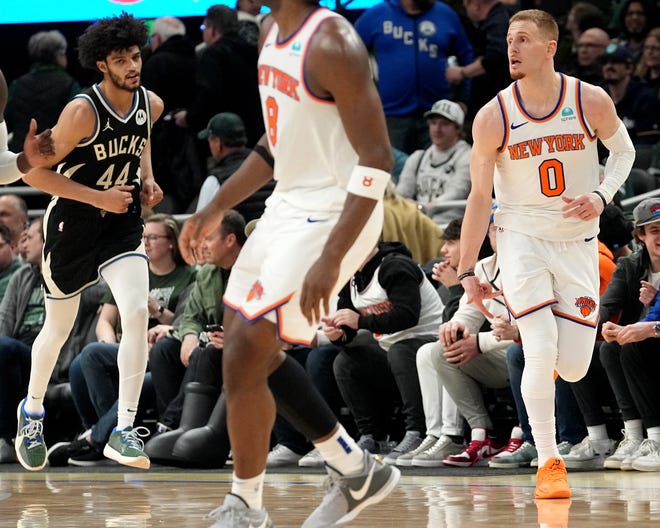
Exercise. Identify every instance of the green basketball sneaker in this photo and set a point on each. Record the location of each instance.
(30, 445)
(127, 448)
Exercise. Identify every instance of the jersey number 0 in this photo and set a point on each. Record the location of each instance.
(551, 177)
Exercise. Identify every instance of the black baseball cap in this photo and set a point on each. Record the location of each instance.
(227, 126)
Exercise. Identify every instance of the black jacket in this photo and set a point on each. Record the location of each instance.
(253, 206)
(170, 73)
(400, 276)
(227, 82)
(622, 294)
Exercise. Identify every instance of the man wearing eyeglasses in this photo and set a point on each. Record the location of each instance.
(590, 46)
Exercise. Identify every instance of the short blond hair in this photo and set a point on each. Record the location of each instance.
(543, 20)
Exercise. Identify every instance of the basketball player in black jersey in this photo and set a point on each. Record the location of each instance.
(101, 171)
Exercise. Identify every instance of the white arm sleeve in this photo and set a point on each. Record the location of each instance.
(619, 162)
(9, 172)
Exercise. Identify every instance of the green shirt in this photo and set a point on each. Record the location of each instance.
(166, 289)
(6, 274)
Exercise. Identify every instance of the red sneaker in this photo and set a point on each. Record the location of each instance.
(552, 481)
(478, 449)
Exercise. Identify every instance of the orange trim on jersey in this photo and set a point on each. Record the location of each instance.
(528, 311)
(286, 41)
(583, 122)
(562, 96)
(505, 117)
(290, 340)
(276, 305)
(574, 319)
(278, 318)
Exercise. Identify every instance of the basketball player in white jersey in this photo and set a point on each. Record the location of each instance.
(536, 143)
(14, 166)
(326, 131)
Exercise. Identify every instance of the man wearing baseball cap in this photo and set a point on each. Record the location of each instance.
(637, 342)
(633, 342)
(227, 138)
(637, 104)
(440, 173)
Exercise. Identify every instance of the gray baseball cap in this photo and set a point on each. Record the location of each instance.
(647, 212)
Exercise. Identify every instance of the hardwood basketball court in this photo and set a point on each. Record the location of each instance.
(162, 497)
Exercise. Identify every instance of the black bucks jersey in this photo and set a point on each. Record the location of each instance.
(111, 155)
(79, 238)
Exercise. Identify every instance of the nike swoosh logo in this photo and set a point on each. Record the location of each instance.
(359, 494)
(314, 220)
(514, 126)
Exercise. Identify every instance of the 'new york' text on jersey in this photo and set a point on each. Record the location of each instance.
(542, 159)
(314, 162)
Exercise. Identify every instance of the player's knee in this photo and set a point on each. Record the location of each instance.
(573, 371)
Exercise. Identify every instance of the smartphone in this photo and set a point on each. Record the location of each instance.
(214, 328)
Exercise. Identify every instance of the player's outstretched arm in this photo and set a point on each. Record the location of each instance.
(337, 67)
(14, 166)
(253, 173)
(487, 132)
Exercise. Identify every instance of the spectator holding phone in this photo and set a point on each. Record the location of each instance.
(189, 352)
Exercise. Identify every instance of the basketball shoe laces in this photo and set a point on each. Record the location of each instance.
(553, 474)
(475, 448)
(513, 445)
(132, 437)
(32, 431)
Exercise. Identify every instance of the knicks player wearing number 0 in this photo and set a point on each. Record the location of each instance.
(101, 171)
(535, 142)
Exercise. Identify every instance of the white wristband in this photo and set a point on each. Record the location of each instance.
(368, 182)
(9, 172)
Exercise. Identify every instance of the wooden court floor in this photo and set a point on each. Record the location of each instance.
(181, 499)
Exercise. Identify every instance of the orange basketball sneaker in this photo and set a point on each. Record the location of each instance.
(552, 481)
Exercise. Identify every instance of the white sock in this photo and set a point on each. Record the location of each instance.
(634, 429)
(34, 406)
(653, 433)
(341, 452)
(597, 432)
(125, 415)
(250, 490)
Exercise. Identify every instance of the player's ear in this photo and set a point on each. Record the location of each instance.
(102, 66)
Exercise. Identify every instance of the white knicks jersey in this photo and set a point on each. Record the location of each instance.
(541, 160)
(313, 157)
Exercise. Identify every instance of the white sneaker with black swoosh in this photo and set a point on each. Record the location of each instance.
(346, 496)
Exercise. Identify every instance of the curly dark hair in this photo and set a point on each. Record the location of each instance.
(110, 34)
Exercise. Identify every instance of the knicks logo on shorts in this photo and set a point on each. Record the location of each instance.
(256, 291)
(586, 305)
